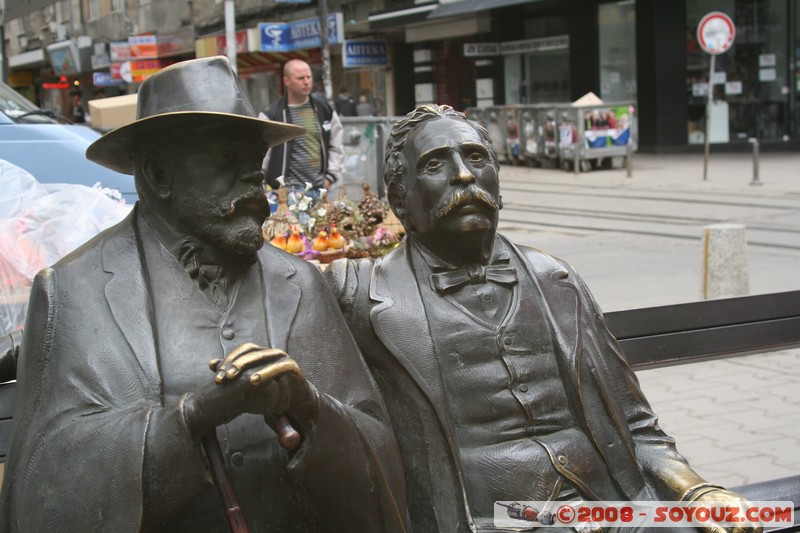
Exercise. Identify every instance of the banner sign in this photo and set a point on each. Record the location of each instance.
(285, 37)
(105, 79)
(152, 46)
(119, 51)
(100, 61)
(557, 42)
(364, 54)
(64, 58)
(137, 71)
(143, 46)
(481, 49)
(216, 45)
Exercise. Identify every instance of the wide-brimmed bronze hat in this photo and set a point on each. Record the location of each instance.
(181, 97)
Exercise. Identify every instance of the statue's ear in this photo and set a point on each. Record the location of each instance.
(155, 176)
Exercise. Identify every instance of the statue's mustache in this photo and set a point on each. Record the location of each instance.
(471, 194)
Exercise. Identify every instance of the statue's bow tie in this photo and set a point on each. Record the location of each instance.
(206, 275)
(453, 280)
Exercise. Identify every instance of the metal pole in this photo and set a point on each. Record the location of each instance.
(326, 53)
(230, 32)
(576, 162)
(3, 57)
(708, 115)
(629, 158)
(756, 157)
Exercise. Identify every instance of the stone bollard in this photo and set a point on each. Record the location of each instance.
(725, 261)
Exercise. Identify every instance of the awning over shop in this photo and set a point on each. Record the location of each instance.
(30, 59)
(14, 9)
(248, 59)
(464, 7)
(253, 62)
(396, 19)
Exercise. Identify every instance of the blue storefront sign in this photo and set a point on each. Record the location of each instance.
(298, 35)
(364, 54)
(104, 79)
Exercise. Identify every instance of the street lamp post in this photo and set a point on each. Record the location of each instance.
(326, 53)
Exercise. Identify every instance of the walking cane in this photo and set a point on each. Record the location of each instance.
(288, 438)
(224, 484)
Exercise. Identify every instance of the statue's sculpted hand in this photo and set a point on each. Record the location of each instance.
(251, 379)
(726, 498)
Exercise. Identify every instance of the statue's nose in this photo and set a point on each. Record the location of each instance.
(463, 174)
(253, 177)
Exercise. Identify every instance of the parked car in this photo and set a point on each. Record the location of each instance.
(51, 148)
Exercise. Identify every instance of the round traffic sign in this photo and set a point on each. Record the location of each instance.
(125, 72)
(716, 32)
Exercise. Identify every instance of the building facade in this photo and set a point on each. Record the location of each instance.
(463, 53)
(108, 47)
(497, 52)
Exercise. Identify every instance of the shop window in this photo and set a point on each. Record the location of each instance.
(617, 47)
(540, 74)
(752, 83)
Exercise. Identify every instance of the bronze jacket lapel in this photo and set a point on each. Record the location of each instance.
(282, 295)
(399, 320)
(560, 297)
(131, 304)
(129, 298)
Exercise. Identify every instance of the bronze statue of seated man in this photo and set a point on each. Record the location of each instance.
(118, 412)
(500, 376)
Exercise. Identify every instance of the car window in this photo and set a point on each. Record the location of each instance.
(19, 109)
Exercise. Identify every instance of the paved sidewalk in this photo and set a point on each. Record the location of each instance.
(737, 420)
(779, 173)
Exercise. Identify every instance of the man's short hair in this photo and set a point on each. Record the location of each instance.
(395, 166)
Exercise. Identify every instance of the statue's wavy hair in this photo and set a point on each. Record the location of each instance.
(395, 165)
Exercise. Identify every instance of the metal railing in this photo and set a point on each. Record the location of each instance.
(577, 138)
(364, 140)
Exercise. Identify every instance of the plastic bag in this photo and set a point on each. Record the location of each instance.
(40, 224)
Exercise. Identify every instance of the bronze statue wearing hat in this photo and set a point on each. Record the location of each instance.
(122, 426)
(502, 381)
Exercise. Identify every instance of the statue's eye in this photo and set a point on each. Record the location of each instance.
(476, 158)
(227, 153)
(433, 165)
